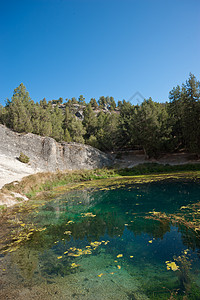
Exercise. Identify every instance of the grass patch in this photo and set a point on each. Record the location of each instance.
(3, 208)
(41, 184)
(155, 168)
(23, 158)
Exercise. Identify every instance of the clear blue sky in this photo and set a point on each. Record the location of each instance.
(64, 48)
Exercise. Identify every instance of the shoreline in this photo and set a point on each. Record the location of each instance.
(13, 171)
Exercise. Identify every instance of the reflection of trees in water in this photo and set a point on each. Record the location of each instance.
(154, 228)
(38, 257)
(189, 238)
(110, 219)
(168, 196)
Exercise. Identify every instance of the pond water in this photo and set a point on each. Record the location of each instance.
(106, 243)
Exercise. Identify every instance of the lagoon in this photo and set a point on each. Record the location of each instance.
(121, 241)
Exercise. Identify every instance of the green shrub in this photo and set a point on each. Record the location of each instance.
(23, 158)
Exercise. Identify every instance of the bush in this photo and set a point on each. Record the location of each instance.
(23, 158)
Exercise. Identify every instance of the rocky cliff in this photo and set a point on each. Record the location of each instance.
(48, 155)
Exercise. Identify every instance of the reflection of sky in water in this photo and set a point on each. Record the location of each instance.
(89, 228)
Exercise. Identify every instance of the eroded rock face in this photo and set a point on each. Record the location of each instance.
(48, 155)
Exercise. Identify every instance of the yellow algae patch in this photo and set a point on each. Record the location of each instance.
(155, 212)
(75, 252)
(95, 244)
(73, 265)
(68, 232)
(41, 229)
(119, 255)
(69, 222)
(106, 242)
(87, 252)
(73, 248)
(100, 274)
(89, 214)
(70, 254)
(172, 265)
(78, 252)
(59, 257)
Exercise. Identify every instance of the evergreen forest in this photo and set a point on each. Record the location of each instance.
(153, 127)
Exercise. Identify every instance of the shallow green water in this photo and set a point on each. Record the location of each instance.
(98, 244)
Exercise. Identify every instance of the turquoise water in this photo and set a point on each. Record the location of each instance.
(101, 244)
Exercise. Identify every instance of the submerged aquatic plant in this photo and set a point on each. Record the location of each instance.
(182, 265)
(184, 270)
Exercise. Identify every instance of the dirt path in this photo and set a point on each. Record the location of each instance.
(133, 158)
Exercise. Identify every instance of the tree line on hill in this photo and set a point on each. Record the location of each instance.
(151, 126)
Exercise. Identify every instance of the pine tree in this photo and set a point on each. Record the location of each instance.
(175, 109)
(19, 110)
(45, 121)
(112, 103)
(3, 115)
(150, 127)
(81, 100)
(67, 124)
(107, 135)
(90, 121)
(191, 114)
(93, 103)
(77, 131)
(102, 102)
(57, 124)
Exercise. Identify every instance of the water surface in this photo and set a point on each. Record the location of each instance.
(101, 244)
